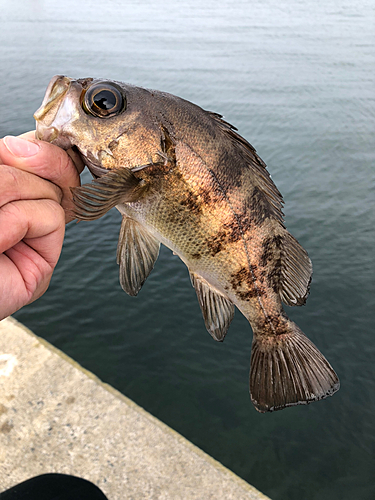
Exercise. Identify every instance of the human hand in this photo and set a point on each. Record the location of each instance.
(35, 200)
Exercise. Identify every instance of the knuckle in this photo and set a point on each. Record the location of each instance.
(65, 165)
(9, 184)
(56, 211)
(12, 210)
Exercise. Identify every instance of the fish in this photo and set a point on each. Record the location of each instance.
(183, 177)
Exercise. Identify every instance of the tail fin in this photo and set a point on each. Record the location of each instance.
(288, 370)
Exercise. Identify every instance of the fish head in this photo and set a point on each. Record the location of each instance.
(111, 124)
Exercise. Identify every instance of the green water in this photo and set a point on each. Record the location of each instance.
(297, 79)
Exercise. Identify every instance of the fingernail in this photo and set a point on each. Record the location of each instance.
(20, 147)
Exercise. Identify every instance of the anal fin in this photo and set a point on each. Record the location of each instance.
(137, 251)
(217, 310)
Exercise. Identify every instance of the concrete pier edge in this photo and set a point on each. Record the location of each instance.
(142, 457)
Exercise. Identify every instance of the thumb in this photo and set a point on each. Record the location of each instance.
(44, 160)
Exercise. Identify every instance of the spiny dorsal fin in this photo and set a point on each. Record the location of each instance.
(137, 251)
(296, 271)
(217, 310)
(96, 199)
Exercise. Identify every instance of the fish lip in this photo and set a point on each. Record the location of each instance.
(44, 133)
(45, 116)
(54, 95)
(53, 92)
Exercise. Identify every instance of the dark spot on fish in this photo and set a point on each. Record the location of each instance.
(250, 294)
(277, 240)
(191, 202)
(273, 276)
(215, 244)
(271, 249)
(70, 400)
(215, 248)
(196, 256)
(259, 207)
(178, 175)
(85, 82)
(234, 230)
(240, 277)
(205, 196)
(262, 276)
(267, 253)
(279, 323)
(273, 281)
(240, 225)
(232, 176)
(113, 144)
(243, 283)
(271, 258)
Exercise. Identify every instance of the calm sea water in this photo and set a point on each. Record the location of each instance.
(297, 79)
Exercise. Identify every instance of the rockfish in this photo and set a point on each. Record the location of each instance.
(184, 177)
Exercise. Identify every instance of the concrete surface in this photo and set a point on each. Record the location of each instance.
(57, 417)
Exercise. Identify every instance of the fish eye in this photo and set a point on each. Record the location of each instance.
(103, 100)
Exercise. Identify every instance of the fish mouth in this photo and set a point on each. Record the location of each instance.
(56, 90)
(45, 116)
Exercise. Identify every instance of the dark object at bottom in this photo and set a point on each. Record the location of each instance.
(54, 487)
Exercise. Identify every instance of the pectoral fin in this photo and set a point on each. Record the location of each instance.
(96, 199)
(137, 251)
(217, 310)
